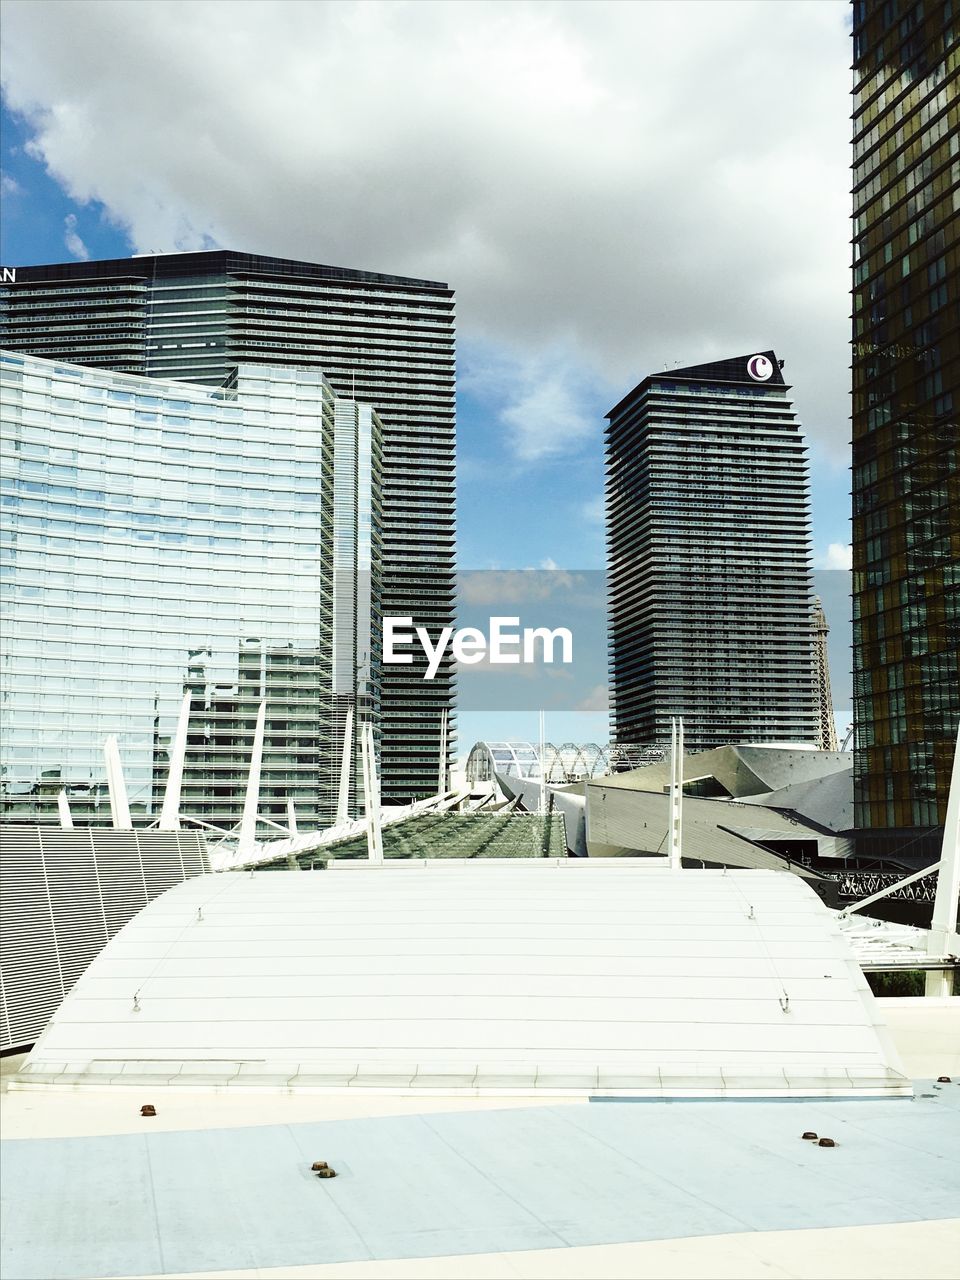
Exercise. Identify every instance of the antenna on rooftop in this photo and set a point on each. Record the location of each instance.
(676, 793)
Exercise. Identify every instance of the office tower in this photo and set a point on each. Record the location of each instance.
(162, 538)
(906, 397)
(708, 551)
(385, 340)
(826, 721)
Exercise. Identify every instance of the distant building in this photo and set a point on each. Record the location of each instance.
(906, 396)
(164, 538)
(826, 722)
(385, 340)
(708, 550)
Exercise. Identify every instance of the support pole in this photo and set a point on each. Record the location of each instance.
(170, 813)
(63, 806)
(542, 803)
(248, 824)
(119, 806)
(371, 794)
(943, 927)
(291, 816)
(346, 764)
(676, 793)
(680, 750)
(890, 889)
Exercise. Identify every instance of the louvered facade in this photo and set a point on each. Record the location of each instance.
(63, 895)
(708, 549)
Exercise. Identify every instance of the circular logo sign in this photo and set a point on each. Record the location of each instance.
(759, 368)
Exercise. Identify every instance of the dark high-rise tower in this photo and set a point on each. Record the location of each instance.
(906, 397)
(709, 558)
(382, 339)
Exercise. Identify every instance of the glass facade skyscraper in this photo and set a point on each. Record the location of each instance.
(708, 559)
(906, 396)
(385, 340)
(159, 538)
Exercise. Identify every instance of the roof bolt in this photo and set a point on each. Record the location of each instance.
(808, 1134)
(943, 1080)
(318, 1165)
(326, 1173)
(148, 1109)
(826, 1142)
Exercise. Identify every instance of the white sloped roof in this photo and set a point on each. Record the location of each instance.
(606, 977)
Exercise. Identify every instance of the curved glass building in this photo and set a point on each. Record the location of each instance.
(162, 538)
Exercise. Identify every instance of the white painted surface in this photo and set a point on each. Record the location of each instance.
(479, 976)
(886, 1251)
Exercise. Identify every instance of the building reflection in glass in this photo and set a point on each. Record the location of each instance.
(159, 537)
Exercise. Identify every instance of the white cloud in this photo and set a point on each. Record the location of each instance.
(625, 218)
(545, 403)
(594, 510)
(838, 555)
(71, 238)
(9, 186)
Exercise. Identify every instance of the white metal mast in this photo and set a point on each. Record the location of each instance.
(116, 786)
(248, 825)
(943, 927)
(676, 793)
(170, 813)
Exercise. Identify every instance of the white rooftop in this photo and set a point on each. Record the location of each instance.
(600, 978)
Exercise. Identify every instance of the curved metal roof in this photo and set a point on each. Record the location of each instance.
(597, 977)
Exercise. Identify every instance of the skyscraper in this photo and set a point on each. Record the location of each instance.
(906, 394)
(382, 339)
(708, 551)
(160, 539)
(827, 724)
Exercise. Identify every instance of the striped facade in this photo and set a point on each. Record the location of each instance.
(64, 893)
(708, 547)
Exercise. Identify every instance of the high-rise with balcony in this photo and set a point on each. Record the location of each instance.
(708, 558)
(385, 340)
(906, 396)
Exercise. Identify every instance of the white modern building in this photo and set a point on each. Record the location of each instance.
(163, 539)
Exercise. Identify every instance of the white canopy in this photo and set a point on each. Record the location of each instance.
(604, 977)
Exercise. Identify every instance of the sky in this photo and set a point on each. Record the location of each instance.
(611, 188)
